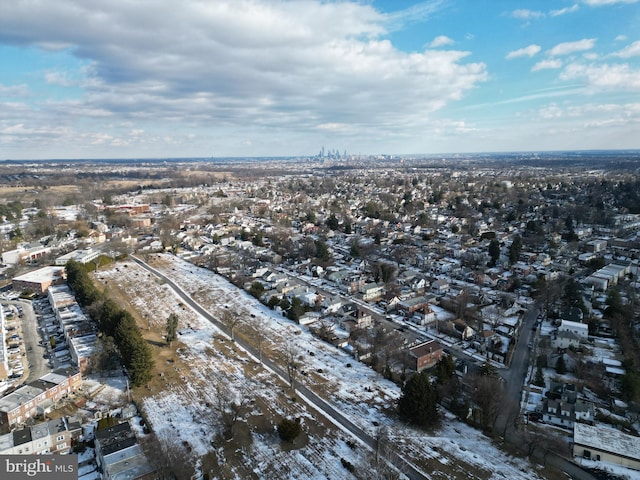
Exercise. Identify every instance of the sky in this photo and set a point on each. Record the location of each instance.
(219, 78)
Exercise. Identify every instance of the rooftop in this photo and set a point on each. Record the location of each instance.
(608, 440)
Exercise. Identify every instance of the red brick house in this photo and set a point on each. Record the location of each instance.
(426, 355)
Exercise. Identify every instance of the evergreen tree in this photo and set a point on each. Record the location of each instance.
(514, 249)
(494, 252)
(141, 364)
(419, 400)
(172, 327)
(539, 379)
(614, 304)
(256, 289)
(296, 310)
(561, 366)
(445, 369)
(289, 430)
(487, 369)
(332, 222)
(322, 252)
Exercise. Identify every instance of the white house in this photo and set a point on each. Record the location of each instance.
(600, 443)
(570, 334)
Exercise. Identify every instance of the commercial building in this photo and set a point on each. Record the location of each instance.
(39, 280)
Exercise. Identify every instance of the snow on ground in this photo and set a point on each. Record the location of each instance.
(183, 412)
(105, 391)
(619, 471)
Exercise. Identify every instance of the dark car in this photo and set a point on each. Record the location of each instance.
(535, 416)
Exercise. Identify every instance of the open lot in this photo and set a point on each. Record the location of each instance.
(204, 366)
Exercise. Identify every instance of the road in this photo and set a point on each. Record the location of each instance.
(317, 402)
(513, 381)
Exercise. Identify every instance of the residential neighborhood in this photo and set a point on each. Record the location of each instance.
(519, 279)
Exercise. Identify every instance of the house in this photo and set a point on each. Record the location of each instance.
(82, 256)
(371, 291)
(570, 334)
(460, 328)
(440, 286)
(37, 397)
(600, 443)
(565, 339)
(411, 305)
(54, 436)
(564, 409)
(120, 456)
(425, 355)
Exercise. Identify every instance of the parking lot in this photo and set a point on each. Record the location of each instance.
(25, 346)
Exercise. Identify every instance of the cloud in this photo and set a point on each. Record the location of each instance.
(524, 14)
(567, 48)
(604, 77)
(599, 3)
(418, 13)
(629, 51)
(440, 41)
(594, 115)
(563, 11)
(238, 65)
(62, 79)
(528, 51)
(21, 90)
(547, 65)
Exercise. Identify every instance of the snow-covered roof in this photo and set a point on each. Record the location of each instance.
(607, 440)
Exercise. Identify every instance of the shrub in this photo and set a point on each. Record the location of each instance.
(289, 430)
(348, 465)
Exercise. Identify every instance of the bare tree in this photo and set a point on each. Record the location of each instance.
(260, 337)
(231, 405)
(231, 320)
(378, 464)
(488, 395)
(290, 357)
(169, 458)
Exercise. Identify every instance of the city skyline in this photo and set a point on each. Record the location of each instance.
(270, 78)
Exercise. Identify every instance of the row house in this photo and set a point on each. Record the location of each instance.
(55, 436)
(37, 397)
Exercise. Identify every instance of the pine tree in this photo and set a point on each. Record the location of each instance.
(141, 364)
(561, 367)
(289, 430)
(419, 401)
(539, 380)
(172, 327)
(494, 252)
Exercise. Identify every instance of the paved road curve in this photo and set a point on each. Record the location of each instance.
(320, 404)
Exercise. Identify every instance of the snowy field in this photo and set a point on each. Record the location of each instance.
(182, 414)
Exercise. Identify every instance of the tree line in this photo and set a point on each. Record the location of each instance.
(113, 321)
